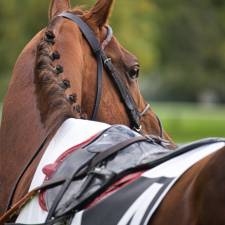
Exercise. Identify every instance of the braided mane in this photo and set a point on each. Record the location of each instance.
(52, 101)
(54, 105)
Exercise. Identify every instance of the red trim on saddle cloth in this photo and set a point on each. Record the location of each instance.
(49, 169)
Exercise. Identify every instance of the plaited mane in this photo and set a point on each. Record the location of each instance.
(53, 103)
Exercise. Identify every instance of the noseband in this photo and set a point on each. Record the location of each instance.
(103, 61)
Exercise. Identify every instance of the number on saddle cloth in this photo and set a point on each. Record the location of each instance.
(109, 157)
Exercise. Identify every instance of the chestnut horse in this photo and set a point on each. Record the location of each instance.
(55, 78)
(33, 106)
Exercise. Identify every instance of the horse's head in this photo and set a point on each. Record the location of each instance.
(67, 67)
(58, 80)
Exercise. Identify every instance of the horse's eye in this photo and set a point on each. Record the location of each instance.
(134, 72)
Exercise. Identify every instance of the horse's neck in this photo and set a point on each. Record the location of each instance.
(21, 130)
(21, 118)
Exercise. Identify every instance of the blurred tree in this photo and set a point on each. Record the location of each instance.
(180, 43)
(192, 49)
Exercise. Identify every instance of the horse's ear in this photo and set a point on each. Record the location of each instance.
(98, 15)
(58, 6)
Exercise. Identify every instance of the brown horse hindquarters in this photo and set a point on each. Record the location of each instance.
(198, 196)
(210, 191)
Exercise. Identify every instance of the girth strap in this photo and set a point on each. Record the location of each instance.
(102, 59)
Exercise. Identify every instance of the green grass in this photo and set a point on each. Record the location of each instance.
(187, 122)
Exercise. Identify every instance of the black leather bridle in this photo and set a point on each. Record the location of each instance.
(103, 61)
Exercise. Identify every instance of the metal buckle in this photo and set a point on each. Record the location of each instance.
(147, 107)
(138, 129)
(106, 61)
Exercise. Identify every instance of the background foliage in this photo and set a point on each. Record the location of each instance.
(180, 45)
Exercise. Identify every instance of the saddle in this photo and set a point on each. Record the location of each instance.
(91, 169)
